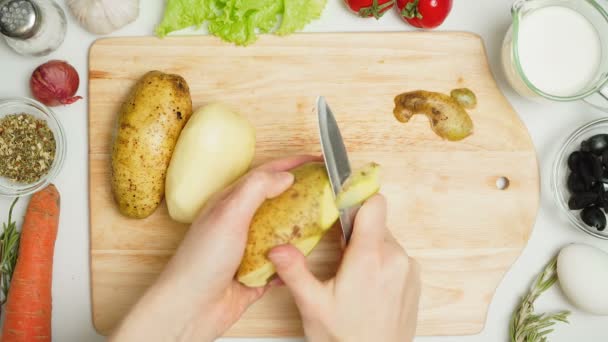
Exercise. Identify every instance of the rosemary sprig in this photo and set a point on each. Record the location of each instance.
(9, 247)
(527, 326)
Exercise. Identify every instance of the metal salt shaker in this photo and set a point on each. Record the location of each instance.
(32, 27)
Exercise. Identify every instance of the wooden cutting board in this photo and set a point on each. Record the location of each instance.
(444, 205)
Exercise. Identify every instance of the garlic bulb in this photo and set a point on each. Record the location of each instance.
(104, 16)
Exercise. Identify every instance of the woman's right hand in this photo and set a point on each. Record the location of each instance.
(375, 294)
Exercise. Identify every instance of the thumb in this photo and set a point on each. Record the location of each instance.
(291, 266)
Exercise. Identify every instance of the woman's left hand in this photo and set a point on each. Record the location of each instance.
(196, 297)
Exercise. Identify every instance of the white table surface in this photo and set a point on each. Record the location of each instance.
(548, 124)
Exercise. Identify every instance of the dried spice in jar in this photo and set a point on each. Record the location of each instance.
(27, 148)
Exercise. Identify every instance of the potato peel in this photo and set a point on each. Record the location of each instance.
(447, 116)
(465, 97)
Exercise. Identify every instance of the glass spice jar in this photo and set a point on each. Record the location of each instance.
(32, 27)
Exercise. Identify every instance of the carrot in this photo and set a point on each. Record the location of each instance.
(28, 308)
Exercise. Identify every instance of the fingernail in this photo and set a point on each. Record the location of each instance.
(284, 177)
(278, 257)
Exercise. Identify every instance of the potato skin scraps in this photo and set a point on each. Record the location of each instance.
(465, 97)
(447, 116)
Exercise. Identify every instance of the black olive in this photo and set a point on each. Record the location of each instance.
(585, 146)
(575, 183)
(598, 188)
(598, 143)
(573, 160)
(605, 177)
(596, 168)
(587, 168)
(582, 200)
(604, 201)
(594, 217)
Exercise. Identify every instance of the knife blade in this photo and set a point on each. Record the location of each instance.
(336, 162)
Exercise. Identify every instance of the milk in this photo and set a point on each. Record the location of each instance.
(559, 50)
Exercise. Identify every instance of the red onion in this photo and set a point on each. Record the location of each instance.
(55, 83)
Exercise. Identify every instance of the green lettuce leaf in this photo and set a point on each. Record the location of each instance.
(298, 13)
(239, 21)
(180, 14)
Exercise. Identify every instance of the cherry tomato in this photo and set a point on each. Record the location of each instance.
(370, 8)
(424, 13)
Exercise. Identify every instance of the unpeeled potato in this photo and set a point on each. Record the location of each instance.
(148, 126)
(300, 216)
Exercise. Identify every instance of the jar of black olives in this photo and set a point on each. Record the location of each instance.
(580, 178)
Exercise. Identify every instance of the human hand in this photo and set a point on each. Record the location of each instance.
(375, 294)
(196, 297)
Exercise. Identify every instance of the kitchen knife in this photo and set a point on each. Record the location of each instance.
(336, 162)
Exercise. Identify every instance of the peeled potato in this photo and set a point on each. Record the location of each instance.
(300, 216)
(359, 186)
(214, 149)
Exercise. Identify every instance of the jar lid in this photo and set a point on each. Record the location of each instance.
(19, 18)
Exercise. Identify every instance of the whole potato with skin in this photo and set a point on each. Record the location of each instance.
(148, 126)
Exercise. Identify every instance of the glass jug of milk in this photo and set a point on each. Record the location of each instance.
(558, 50)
